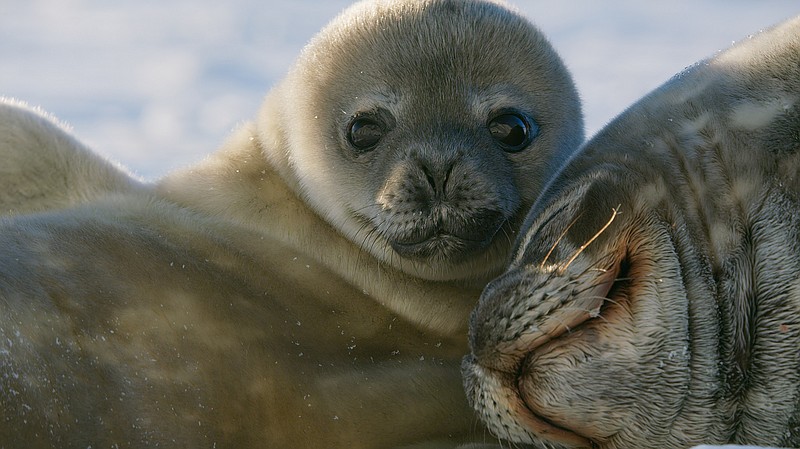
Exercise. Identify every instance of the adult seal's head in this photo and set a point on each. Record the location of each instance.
(653, 300)
(424, 130)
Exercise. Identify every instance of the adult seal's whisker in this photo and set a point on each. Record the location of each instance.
(695, 285)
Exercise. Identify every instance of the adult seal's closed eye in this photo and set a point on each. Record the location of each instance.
(653, 299)
(309, 284)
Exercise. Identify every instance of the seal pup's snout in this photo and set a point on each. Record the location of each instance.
(437, 173)
(441, 203)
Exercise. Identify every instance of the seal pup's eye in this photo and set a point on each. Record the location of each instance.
(363, 133)
(513, 130)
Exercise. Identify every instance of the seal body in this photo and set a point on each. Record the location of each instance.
(309, 284)
(654, 296)
(43, 167)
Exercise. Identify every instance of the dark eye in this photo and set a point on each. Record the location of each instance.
(364, 133)
(513, 130)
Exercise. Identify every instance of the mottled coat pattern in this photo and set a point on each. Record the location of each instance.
(654, 296)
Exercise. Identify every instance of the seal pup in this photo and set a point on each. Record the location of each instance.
(653, 299)
(309, 284)
(43, 166)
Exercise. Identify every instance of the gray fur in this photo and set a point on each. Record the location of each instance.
(654, 298)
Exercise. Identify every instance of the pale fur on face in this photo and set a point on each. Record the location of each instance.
(440, 80)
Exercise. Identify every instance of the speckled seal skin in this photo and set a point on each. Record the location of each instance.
(653, 300)
(308, 285)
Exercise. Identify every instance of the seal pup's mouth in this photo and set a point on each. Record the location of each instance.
(446, 203)
(453, 238)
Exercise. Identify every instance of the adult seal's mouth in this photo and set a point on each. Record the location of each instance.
(504, 351)
(499, 396)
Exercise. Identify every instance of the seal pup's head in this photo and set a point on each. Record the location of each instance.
(653, 297)
(423, 130)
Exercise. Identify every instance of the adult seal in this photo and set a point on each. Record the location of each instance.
(653, 299)
(309, 284)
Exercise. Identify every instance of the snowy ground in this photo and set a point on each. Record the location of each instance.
(156, 84)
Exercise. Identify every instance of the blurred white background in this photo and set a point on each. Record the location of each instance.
(157, 84)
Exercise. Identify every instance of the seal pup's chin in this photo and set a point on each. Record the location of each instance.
(455, 245)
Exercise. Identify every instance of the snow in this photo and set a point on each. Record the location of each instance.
(159, 84)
